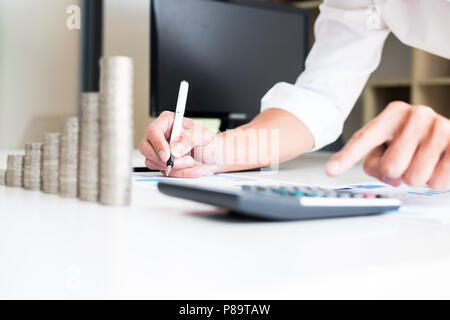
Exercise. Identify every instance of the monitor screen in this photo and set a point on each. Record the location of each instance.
(230, 52)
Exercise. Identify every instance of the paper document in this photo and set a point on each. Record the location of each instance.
(418, 203)
(225, 180)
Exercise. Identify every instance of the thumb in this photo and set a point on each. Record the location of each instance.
(189, 139)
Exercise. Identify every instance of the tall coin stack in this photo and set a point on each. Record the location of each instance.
(14, 171)
(116, 130)
(68, 169)
(50, 163)
(32, 166)
(2, 177)
(89, 147)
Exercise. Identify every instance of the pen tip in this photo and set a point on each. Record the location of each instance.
(168, 169)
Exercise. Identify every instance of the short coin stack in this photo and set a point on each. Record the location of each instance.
(2, 177)
(50, 163)
(89, 147)
(68, 170)
(32, 167)
(116, 130)
(14, 171)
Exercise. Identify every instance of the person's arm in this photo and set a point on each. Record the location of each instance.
(347, 50)
(307, 115)
(270, 138)
(277, 135)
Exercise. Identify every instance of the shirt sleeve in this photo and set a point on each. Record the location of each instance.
(346, 51)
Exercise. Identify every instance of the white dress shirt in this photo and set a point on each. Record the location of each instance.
(350, 35)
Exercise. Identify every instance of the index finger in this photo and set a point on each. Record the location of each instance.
(374, 134)
(159, 132)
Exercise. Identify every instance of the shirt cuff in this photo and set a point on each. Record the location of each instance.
(321, 116)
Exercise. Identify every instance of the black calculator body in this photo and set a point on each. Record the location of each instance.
(285, 202)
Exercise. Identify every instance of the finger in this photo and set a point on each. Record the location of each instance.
(427, 157)
(194, 172)
(152, 165)
(191, 138)
(149, 153)
(206, 154)
(158, 134)
(179, 163)
(189, 124)
(393, 182)
(372, 166)
(377, 132)
(183, 162)
(398, 156)
(372, 163)
(145, 144)
(440, 180)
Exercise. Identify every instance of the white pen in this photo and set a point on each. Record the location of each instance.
(177, 124)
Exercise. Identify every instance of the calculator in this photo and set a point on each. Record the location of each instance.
(283, 202)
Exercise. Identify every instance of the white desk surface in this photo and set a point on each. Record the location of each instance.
(165, 248)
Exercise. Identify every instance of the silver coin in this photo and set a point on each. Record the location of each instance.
(32, 166)
(14, 171)
(116, 130)
(68, 157)
(88, 189)
(2, 177)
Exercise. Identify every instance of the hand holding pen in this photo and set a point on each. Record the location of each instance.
(179, 115)
(171, 140)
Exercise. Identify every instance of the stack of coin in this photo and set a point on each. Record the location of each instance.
(89, 147)
(2, 177)
(116, 130)
(32, 167)
(50, 163)
(68, 169)
(14, 171)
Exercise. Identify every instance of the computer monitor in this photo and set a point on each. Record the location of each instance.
(230, 51)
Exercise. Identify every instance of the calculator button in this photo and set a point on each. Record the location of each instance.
(283, 190)
(291, 191)
(315, 195)
(344, 194)
(312, 192)
(331, 194)
(358, 195)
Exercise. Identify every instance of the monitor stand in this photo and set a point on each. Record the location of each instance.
(232, 121)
